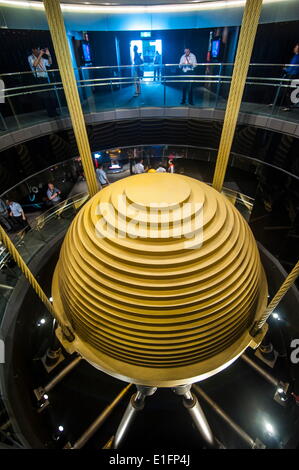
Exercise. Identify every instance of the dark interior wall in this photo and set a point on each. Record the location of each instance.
(23, 160)
(275, 42)
(173, 44)
(15, 46)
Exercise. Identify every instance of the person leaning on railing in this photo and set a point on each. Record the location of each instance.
(39, 60)
(53, 194)
(292, 73)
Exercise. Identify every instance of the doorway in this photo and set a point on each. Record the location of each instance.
(147, 48)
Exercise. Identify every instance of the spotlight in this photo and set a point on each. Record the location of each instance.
(276, 316)
(60, 428)
(269, 428)
(51, 299)
(46, 396)
(43, 321)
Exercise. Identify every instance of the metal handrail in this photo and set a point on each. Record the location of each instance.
(25, 180)
(99, 67)
(42, 220)
(131, 80)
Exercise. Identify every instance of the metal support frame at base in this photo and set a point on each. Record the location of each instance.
(137, 403)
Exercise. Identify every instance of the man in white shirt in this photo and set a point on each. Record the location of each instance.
(38, 64)
(187, 64)
(102, 177)
(139, 168)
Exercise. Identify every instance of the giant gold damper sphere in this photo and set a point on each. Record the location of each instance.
(160, 280)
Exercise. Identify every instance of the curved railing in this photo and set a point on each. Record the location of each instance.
(31, 192)
(267, 91)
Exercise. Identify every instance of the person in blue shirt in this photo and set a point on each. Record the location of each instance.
(102, 177)
(53, 194)
(292, 73)
(17, 215)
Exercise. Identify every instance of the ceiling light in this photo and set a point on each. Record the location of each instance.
(87, 7)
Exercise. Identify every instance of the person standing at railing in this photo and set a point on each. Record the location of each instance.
(39, 60)
(53, 194)
(138, 71)
(157, 66)
(170, 166)
(4, 217)
(102, 177)
(187, 65)
(139, 168)
(292, 73)
(17, 215)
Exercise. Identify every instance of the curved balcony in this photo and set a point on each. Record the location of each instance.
(107, 93)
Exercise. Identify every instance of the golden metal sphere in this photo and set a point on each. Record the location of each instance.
(160, 278)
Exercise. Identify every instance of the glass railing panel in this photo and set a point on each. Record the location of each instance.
(274, 214)
(31, 193)
(224, 72)
(271, 91)
(31, 240)
(274, 219)
(262, 89)
(267, 91)
(37, 104)
(94, 89)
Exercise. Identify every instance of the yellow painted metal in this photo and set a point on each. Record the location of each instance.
(59, 38)
(287, 284)
(32, 281)
(159, 307)
(247, 36)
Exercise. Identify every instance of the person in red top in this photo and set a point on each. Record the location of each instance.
(170, 166)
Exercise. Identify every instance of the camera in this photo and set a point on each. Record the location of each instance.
(44, 56)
